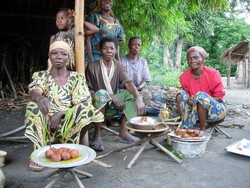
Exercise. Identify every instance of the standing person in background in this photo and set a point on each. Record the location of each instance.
(202, 96)
(137, 67)
(64, 23)
(104, 19)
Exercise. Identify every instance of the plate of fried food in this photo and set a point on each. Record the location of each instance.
(63, 155)
(189, 135)
(145, 123)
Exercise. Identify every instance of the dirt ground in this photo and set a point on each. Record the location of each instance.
(217, 168)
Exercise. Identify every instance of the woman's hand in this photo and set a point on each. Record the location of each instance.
(118, 103)
(43, 104)
(140, 106)
(191, 100)
(55, 120)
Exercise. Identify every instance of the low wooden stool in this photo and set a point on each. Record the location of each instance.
(215, 127)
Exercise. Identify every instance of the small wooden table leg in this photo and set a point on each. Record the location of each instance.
(76, 178)
(137, 154)
(82, 173)
(55, 180)
(153, 142)
(222, 132)
(56, 172)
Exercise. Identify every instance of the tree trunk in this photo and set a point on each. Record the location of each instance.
(178, 53)
(167, 61)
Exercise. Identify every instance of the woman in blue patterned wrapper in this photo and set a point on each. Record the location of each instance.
(61, 104)
(202, 94)
(104, 19)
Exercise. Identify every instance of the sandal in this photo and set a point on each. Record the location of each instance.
(35, 167)
(97, 146)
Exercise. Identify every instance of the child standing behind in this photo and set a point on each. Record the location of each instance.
(64, 23)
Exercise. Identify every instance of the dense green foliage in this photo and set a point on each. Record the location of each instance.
(211, 24)
(224, 32)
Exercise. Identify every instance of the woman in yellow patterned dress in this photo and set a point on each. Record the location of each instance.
(61, 104)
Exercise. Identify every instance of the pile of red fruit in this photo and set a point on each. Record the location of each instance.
(59, 154)
(186, 133)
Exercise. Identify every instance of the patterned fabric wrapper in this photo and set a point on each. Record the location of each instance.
(216, 110)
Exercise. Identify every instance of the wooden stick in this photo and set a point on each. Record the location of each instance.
(82, 173)
(110, 130)
(222, 132)
(56, 179)
(101, 164)
(153, 142)
(13, 131)
(131, 163)
(132, 144)
(9, 77)
(14, 138)
(172, 119)
(55, 172)
(76, 178)
(171, 123)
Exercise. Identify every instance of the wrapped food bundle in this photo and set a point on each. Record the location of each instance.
(59, 154)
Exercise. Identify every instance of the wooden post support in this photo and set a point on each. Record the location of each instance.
(79, 45)
(79, 36)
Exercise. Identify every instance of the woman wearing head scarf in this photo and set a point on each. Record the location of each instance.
(108, 25)
(61, 104)
(202, 96)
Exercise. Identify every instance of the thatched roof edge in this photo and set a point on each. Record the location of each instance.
(236, 53)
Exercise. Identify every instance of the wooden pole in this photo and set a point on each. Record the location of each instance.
(229, 70)
(247, 59)
(79, 36)
(79, 46)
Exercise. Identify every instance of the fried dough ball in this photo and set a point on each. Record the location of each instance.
(53, 149)
(60, 151)
(190, 131)
(178, 131)
(192, 135)
(56, 157)
(64, 148)
(74, 153)
(48, 153)
(196, 132)
(66, 155)
(200, 134)
(184, 135)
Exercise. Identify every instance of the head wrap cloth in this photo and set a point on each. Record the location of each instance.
(59, 44)
(198, 49)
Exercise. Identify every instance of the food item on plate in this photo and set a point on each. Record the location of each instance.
(186, 133)
(63, 153)
(66, 155)
(143, 120)
(56, 157)
(147, 120)
(48, 153)
(74, 153)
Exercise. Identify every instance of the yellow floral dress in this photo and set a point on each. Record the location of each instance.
(74, 98)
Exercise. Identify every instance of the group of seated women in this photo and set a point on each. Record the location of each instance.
(64, 103)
